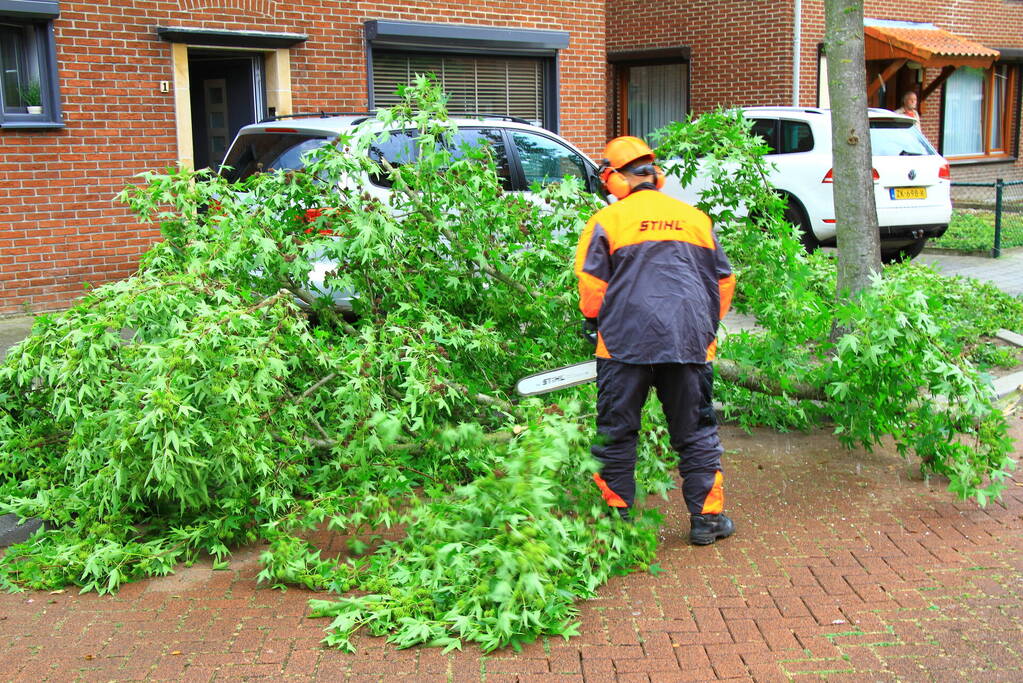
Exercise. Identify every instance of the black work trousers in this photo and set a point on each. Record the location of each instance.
(684, 390)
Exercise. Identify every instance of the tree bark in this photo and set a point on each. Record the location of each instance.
(859, 254)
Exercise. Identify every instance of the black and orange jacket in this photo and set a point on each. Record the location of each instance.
(653, 274)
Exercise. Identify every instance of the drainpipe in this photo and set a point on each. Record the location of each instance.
(797, 48)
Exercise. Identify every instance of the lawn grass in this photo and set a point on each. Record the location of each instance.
(974, 230)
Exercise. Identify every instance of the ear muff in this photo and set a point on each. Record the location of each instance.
(615, 182)
(618, 185)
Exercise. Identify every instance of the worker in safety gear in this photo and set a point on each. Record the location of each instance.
(654, 280)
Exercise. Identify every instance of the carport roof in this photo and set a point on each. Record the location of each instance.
(924, 43)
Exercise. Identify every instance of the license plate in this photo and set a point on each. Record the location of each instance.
(909, 193)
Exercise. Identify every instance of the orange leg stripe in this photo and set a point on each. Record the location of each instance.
(712, 350)
(601, 351)
(715, 502)
(726, 287)
(612, 498)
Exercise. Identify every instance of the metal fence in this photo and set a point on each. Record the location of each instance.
(985, 217)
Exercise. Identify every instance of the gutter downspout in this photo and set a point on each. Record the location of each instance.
(797, 48)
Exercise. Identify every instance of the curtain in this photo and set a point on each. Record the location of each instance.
(998, 103)
(657, 96)
(964, 107)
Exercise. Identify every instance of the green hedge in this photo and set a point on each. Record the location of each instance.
(974, 229)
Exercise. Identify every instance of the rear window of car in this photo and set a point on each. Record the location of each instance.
(897, 137)
(269, 150)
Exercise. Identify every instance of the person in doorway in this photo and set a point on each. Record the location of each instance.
(908, 108)
(654, 283)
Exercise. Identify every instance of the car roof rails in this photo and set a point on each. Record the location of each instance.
(499, 117)
(367, 114)
(318, 114)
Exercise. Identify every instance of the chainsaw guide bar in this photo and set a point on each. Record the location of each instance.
(558, 378)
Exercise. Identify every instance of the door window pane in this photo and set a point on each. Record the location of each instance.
(400, 148)
(795, 137)
(656, 96)
(547, 161)
(768, 130)
(467, 138)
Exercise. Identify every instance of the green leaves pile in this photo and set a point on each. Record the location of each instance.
(896, 359)
(224, 396)
(197, 405)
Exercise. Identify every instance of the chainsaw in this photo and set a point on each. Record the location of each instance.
(558, 378)
(563, 377)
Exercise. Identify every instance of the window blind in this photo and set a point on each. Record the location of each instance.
(511, 86)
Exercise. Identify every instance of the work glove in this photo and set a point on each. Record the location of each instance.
(589, 330)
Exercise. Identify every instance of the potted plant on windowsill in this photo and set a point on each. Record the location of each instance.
(31, 97)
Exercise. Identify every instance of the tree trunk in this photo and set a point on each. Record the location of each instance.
(859, 254)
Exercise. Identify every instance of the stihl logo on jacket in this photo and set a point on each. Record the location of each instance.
(652, 272)
(661, 225)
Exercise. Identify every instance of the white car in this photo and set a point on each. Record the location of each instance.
(523, 153)
(911, 180)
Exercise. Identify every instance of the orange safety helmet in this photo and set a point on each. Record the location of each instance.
(618, 154)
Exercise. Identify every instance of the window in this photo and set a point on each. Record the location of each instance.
(28, 78)
(483, 70)
(651, 88)
(258, 152)
(895, 138)
(510, 86)
(400, 148)
(978, 111)
(654, 96)
(784, 137)
(768, 130)
(547, 161)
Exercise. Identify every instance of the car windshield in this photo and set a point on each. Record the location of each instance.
(267, 150)
(897, 137)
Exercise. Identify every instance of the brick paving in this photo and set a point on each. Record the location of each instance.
(1006, 271)
(847, 566)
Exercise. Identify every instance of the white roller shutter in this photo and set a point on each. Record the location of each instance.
(510, 86)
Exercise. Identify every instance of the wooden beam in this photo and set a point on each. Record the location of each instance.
(622, 78)
(889, 71)
(938, 80)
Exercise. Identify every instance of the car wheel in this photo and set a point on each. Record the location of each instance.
(903, 253)
(795, 215)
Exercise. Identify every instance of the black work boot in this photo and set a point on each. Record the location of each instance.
(706, 529)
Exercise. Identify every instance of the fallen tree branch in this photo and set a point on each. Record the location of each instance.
(755, 380)
(269, 301)
(310, 300)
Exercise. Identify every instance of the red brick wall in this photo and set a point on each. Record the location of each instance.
(59, 224)
(741, 51)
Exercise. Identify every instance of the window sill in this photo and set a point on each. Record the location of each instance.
(31, 125)
(978, 160)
